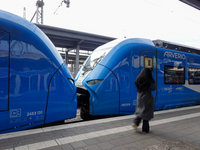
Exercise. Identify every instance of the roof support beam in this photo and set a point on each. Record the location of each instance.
(81, 41)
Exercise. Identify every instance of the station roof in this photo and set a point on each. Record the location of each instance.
(69, 39)
(193, 3)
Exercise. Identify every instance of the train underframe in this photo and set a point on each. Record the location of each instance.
(83, 103)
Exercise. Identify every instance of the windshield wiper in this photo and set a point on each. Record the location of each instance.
(97, 60)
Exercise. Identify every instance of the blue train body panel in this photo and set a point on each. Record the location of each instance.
(62, 99)
(116, 65)
(104, 97)
(37, 83)
(176, 95)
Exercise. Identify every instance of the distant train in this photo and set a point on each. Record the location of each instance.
(105, 82)
(36, 87)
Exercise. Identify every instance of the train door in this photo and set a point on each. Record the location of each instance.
(4, 69)
(148, 59)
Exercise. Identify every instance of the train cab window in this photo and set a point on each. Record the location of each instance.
(194, 75)
(174, 75)
(148, 62)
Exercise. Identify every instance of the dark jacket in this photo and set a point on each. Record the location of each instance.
(145, 103)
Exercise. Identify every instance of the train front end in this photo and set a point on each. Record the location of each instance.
(97, 85)
(105, 82)
(36, 85)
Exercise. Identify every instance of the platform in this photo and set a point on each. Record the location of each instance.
(175, 129)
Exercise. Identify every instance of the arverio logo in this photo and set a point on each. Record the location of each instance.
(174, 55)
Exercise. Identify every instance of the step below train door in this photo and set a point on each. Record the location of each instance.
(148, 60)
(4, 69)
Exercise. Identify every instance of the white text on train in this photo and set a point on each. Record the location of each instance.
(174, 55)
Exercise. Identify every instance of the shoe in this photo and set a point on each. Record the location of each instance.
(134, 126)
(147, 132)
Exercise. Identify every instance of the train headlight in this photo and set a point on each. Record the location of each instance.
(71, 80)
(93, 82)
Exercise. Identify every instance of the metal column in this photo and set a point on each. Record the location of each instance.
(66, 57)
(77, 59)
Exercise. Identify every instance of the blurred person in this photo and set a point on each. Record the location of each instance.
(145, 99)
(192, 79)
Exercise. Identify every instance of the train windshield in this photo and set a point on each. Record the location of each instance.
(99, 54)
(95, 58)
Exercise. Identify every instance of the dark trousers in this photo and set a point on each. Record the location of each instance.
(145, 126)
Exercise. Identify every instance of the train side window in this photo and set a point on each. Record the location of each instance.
(174, 75)
(194, 75)
(148, 62)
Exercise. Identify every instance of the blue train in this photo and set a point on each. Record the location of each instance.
(36, 87)
(105, 82)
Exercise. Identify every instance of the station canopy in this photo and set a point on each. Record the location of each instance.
(69, 39)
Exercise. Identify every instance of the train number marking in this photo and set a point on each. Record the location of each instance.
(33, 113)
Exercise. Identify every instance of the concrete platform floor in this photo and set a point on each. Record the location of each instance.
(175, 129)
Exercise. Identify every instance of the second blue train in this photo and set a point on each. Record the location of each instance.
(105, 82)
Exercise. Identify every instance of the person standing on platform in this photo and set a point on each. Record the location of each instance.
(145, 99)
